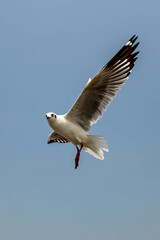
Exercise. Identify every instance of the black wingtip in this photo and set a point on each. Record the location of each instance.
(132, 37)
(135, 54)
(135, 46)
(125, 52)
(50, 141)
(133, 41)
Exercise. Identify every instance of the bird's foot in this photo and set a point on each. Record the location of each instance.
(78, 156)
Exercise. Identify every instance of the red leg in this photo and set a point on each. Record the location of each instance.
(77, 156)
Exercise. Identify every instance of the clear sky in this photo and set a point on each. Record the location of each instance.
(48, 50)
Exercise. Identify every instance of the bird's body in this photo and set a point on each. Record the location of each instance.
(94, 99)
(77, 135)
(69, 130)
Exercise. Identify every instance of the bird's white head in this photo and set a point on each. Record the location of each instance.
(51, 116)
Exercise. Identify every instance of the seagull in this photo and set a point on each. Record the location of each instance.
(97, 94)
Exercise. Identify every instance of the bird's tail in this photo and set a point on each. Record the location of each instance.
(95, 146)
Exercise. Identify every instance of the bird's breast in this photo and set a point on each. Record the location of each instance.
(70, 131)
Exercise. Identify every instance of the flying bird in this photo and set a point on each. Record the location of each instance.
(97, 94)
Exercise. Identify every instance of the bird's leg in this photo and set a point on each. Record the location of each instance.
(77, 156)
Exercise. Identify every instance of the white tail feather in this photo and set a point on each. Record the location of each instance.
(95, 146)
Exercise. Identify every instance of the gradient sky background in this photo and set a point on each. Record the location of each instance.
(48, 51)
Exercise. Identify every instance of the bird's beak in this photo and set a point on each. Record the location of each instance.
(47, 117)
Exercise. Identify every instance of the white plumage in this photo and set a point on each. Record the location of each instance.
(89, 107)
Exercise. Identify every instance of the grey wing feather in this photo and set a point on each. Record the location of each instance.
(55, 137)
(99, 92)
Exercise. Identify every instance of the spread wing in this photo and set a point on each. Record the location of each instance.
(99, 92)
(55, 137)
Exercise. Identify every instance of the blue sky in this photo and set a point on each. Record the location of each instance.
(48, 51)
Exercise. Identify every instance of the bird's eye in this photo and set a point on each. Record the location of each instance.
(52, 115)
(55, 116)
